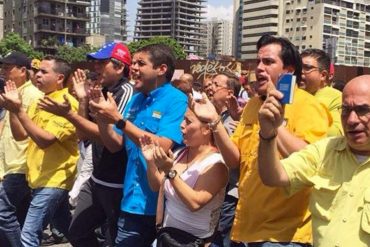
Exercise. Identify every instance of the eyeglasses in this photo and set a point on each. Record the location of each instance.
(218, 87)
(307, 68)
(360, 110)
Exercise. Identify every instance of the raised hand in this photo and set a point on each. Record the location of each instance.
(147, 147)
(11, 98)
(271, 113)
(204, 109)
(59, 109)
(233, 107)
(80, 84)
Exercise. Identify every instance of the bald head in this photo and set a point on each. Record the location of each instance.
(187, 78)
(359, 83)
(356, 114)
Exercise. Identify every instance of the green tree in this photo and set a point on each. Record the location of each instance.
(74, 54)
(14, 42)
(176, 47)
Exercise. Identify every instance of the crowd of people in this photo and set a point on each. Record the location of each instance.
(124, 155)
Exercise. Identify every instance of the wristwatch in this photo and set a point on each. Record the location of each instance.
(171, 174)
(120, 124)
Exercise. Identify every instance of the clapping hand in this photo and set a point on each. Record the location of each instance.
(11, 99)
(104, 110)
(154, 152)
(80, 84)
(56, 108)
(233, 107)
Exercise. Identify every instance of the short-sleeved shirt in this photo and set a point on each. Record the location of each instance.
(332, 99)
(54, 166)
(161, 113)
(14, 152)
(340, 198)
(264, 213)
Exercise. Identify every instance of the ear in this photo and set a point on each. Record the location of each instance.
(162, 69)
(120, 69)
(60, 80)
(206, 130)
(324, 76)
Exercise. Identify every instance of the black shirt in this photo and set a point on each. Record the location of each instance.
(110, 167)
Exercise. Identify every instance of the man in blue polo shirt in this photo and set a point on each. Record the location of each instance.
(156, 110)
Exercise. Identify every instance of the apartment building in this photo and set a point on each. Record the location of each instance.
(179, 19)
(259, 17)
(47, 23)
(237, 27)
(108, 19)
(1, 19)
(219, 37)
(340, 27)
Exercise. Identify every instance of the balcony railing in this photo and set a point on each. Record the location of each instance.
(62, 14)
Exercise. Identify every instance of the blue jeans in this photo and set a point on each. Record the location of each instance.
(45, 202)
(222, 236)
(14, 201)
(135, 230)
(278, 244)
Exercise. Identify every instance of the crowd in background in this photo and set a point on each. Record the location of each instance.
(124, 154)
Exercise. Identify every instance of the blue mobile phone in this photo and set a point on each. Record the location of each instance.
(286, 84)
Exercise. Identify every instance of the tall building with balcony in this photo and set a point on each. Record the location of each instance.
(237, 27)
(179, 19)
(341, 28)
(108, 19)
(259, 17)
(219, 37)
(47, 23)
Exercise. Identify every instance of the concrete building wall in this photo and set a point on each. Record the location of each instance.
(47, 23)
(219, 37)
(1, 19)
(340, 27)
(109, 18)
(179, 19)
(259, 17)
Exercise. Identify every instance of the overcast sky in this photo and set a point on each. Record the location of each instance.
(215, 8)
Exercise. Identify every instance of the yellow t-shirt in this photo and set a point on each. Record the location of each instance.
(12, 152)
(340, 198)
(265, 213)
(332, 99)
(54, 166)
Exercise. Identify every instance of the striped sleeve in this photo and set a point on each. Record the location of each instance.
(128, 91)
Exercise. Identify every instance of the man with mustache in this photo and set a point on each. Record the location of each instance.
(337, 169)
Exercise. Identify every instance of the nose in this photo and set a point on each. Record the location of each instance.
(133, 67)
(352, 118)
(260, 66)
(182, 125)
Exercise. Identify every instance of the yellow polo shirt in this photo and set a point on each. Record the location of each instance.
(340, 198)
(12, 152)
(265, 213)
(332, 99)
(54, 166)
